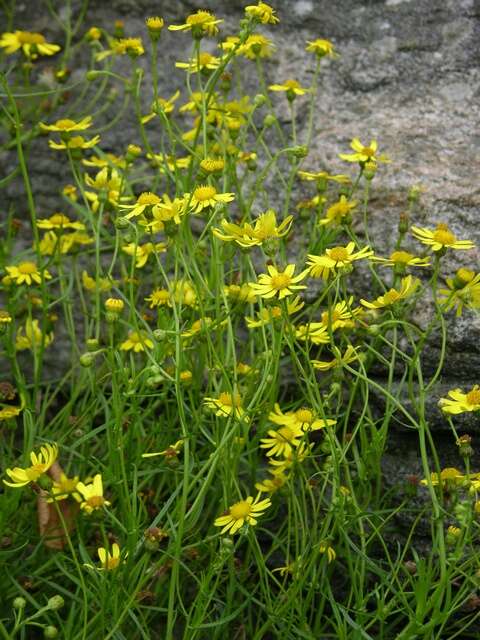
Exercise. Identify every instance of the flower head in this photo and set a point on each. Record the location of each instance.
(227, 404)
(242, 512)
(206, 196)
(281, 441)
(201, 23)
(59, 221)
(304, 419)
(268, 315)
(339, 211)
(459, 402)
(340, 359)
(26, 273)
(463, 291)
(31, 44)
(41, 463)
(92, 495)
(441, 238)
(407, 288)
(262, 12)
(292, 88)
(137, 341)
(335, 260)
(401, 259)
(278, 283)
(66, 125)
(142, 252)
(109, 561)
(31, 337)
(204, 62)
(248, 235)
(321, 48)
(363, 153)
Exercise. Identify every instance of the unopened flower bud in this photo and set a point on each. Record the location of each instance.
(87, 359)
(453, 535)
(92, 344)
(50, 632)
(122, 223)
(300, 151)
(369, 170)
(93, 75)
(155, 25)
(56, 602)
(19, 603)
(259, 100)
(269, 120)
(464, 446)
(159, 334)
(403, 223)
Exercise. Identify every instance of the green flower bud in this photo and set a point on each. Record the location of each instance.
(56, 602)
(19, 603)
(50, 632)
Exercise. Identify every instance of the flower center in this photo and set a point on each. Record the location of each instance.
(202, 17)
(285, 434)
(304, 415)
(443, 235)
(391, 296)
(148, 198)
(291, 84)
(202, 194)
(96, 501)
(450, 473)
(58, 219)
(112, 563)
(27, 267)
(281, 281)
(368, 151)
(402, 257)
(205, 58)
(339, 254)
(25, 37)
(65, 124)
(473, 396)
(240, 510)
(35, 471)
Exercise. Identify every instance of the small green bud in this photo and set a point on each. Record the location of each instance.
(159, 334)
(300, 151)
(269, 120)
(93, 75)
(56, 602)
(19, 603)
(87, 359)
(259, 100)
(92, 344)
(50, 632)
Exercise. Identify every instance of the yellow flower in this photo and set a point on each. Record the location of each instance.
(256, 46)
(248, 235)
(278, 283)
(463, 291)
(291, 87)
(163, 162)
(270, 485)
(270, 314)
(204, 197)
(59, 221)
(114, 305)
(93, 34)
(26, 273)
(31, 337)
(321, 48)
(109, 561)
(200, 23)
(128, 46)
(171, 451)
(205, 62)
(90, 284)
(335, 259)
(341, 315)
(283, 440)
(70, 192)
(338, 211)
(137, 341)
(30, 43)
(142, 252)
(5, 317)
(402, 259)
(159, 298)
(318, 176)
(240, 293)
(459, 402)
(41, 463)
(262, 12)
(184, 293)
(66, 125)
(52, 242)
(440, 238)
(64, 488)
(243, 512)
(167, 211)
(363, 154)
(92, 495)
(212, 165)
(161, 105)
(340, 360)
(107, 160)
(304, 419)
(407, 288)
(315, 332)
(448, 476)
(76, 142)
(155, 24)
(107, 181)
(326, 548)
(312, 203)
(227, 404)
(7, 413)
(296, 455)
(145, 202)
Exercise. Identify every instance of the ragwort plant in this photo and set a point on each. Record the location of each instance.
(205, 458)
